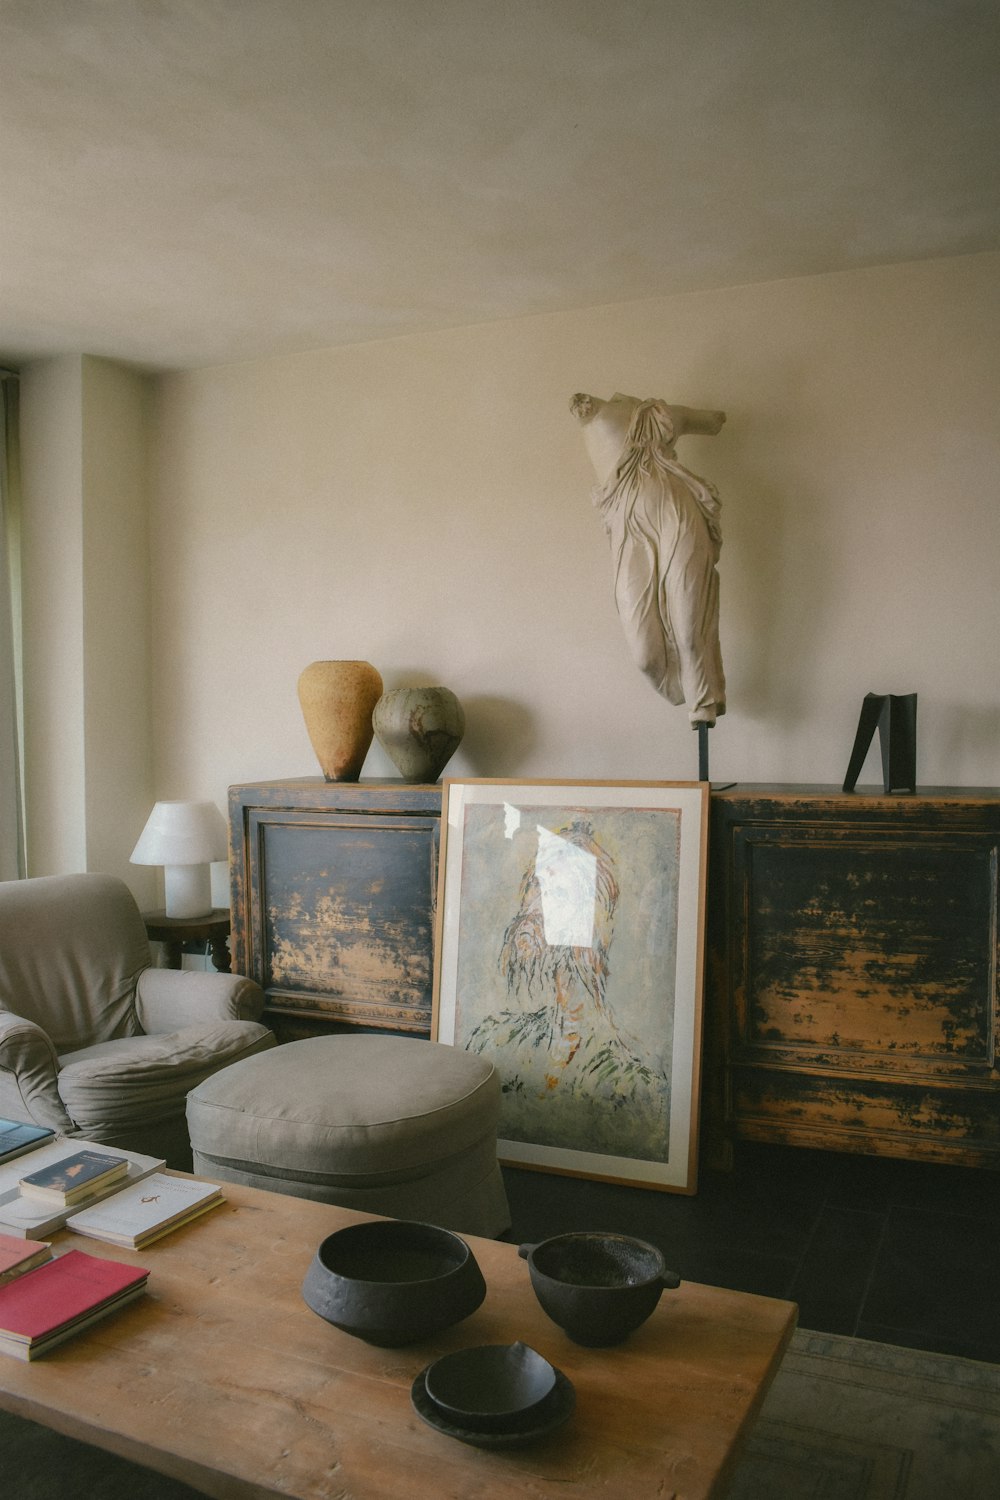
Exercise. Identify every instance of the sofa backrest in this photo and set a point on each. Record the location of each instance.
(72, 948)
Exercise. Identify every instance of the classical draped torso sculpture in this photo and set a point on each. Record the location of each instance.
(663, 525)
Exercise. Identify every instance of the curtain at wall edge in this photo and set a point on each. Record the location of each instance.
(12, 851)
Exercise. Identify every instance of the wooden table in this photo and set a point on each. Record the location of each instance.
(224, 1379)
(176, 932)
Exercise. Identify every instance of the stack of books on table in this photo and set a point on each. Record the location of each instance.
(38, 1195)
(18, 1256)
(141, 1214)
(74, 1177)
(45, 1306)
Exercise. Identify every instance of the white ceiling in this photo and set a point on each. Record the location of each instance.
(187, 182)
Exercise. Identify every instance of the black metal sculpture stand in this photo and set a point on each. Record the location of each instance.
(721, 786)
(703, 752)
(894, 715)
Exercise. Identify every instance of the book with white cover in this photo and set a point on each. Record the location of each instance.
(138, 1215)
(30, 1217)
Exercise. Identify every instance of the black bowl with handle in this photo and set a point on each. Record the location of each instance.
(598, 1286)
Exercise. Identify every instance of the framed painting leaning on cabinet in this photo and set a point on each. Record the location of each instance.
(570, 950)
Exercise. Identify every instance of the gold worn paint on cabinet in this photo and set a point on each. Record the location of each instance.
(853, 992)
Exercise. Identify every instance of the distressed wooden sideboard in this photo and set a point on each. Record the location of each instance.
(334, 887)
(852, 997)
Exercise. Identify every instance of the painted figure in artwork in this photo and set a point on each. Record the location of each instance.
(555, 963)
(571, 881)
(663, 525)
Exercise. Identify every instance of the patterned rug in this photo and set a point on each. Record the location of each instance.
(850, 1420)
(844, 1420)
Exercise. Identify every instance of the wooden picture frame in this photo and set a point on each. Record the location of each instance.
(570, 950)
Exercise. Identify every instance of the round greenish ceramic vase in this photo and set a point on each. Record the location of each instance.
(419, 729)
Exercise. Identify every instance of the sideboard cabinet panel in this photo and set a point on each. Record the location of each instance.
(853, 984)
(334, 889)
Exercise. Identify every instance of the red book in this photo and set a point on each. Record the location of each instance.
(47, 1305)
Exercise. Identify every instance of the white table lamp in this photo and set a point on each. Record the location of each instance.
(183, 837)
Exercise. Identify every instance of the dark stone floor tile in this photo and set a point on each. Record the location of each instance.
(835, 1270)
(543, 1204)
(936, 1279)
(764, 1276)
(39, 1464)
(759, 1228)
(822, 1315)
(785, 1171)
(868, 1183)
(712, 1221)
(948, 1189)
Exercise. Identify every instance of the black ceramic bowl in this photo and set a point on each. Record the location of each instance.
(490, 1387)
(393, 1282)
(599, 1287)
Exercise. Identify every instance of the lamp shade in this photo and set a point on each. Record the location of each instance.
(182, 833)
(183, 837)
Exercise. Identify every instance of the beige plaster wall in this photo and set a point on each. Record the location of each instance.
(85, 545)
(52, 603)
(424, 503)
(117, 712)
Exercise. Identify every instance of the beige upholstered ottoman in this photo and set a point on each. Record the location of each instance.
(389, 1125)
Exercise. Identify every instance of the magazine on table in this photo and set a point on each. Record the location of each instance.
(31, 1218)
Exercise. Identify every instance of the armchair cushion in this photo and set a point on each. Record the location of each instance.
(105, 1086)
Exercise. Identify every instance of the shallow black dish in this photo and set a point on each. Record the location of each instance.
(392, 1281)
(549, 1415)
(490, 1386)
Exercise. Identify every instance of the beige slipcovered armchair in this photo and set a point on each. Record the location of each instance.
(95, 1041)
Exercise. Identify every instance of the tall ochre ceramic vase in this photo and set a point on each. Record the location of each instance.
(337, 699)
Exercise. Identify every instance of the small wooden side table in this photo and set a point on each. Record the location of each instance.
(175, 932)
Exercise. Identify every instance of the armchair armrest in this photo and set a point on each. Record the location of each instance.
(29, 1070)
(167, 999)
